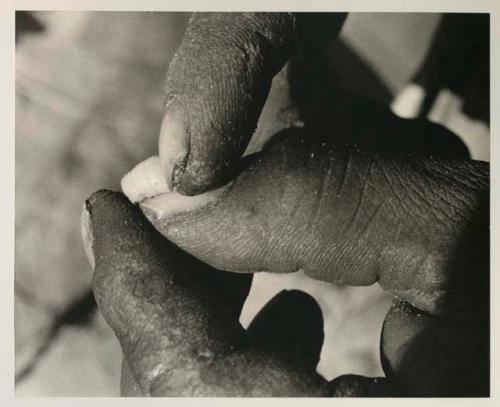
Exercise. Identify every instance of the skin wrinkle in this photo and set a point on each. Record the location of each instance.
(344, 174)
(395, 194)
(465, 172)
(398, 206)
(420, 201)
(375, 192)
(427, 198)
(323, 194)
(351, 222)
(438, 211)
(463, 198)
(368, 222)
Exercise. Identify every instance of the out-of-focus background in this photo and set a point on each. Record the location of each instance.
(88, 108)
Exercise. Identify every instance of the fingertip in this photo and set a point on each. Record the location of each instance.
(94, 206)
(115, 229)
(167, 205)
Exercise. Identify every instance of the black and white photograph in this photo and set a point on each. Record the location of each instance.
(252, 204)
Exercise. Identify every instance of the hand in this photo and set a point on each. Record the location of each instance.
(177, 319)
(217, 84)
(417, 226)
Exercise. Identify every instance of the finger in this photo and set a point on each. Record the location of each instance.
(217, 84)
(177, 320)
(417, 226)
(445, 356)
(292, 322)
(166, 313)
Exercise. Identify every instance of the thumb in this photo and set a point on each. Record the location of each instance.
(418, 226)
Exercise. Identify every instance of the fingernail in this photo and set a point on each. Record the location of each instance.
(173, 146)
(144, 181)
(87, 233)
(172, 203)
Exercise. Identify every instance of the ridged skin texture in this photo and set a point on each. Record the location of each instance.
(418, 226)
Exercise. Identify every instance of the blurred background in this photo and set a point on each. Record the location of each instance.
(88, 108)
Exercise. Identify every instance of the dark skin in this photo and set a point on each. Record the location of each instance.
(217, 84)
(415, 222)
(146, 291)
